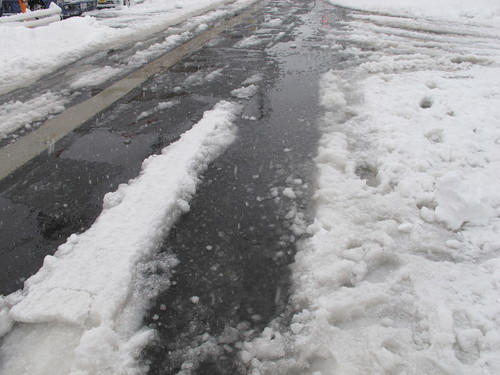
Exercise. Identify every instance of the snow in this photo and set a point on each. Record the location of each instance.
(245, 92)
(195, 299)
(95, 77)
(251, 41)
(159, 107)
(78, 313)
(400, 270)
(256, 78)
(483, 10)
(289, 193)
(45, 49)
(198, 78)
(49, 48)
(400, 273)
(16, 114)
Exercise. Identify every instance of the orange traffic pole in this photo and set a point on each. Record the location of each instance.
(22, 6)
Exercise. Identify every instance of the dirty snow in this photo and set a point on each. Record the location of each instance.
(80, 315)
(199, 78)
(95, 77)
(249, 42)
(256, 78)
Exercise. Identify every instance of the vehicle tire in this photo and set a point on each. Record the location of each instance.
(36, 4)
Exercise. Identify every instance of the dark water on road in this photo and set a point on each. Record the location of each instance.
(236, 242)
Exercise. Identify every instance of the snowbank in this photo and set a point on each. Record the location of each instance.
(482, 10)
(401, 272)
(82, 311)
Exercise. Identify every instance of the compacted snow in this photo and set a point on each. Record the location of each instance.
(401, 272)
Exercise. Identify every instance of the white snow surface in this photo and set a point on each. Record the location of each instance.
(482, 10)
(401, 272)
(16, 114)
(245, 92)
(81, 313)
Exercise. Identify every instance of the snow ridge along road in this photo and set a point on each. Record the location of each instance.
(84, 300)
(401, 273)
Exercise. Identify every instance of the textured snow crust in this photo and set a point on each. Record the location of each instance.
(401, 272)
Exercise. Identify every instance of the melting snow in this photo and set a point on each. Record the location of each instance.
(245, 92)
(78, 313)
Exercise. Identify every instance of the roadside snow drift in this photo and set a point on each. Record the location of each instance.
(401, 272)
(482, 10)
(29, 54)
(82, 311)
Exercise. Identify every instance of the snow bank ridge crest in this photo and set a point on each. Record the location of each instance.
(78, 275)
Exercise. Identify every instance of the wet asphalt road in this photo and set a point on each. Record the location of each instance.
(241, 232)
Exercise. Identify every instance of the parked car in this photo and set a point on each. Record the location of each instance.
(111, 3)
(69, 7)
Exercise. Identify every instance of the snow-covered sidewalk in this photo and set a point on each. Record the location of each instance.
(401, 273)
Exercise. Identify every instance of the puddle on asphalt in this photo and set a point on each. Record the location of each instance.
(236, 242)
(102, 146)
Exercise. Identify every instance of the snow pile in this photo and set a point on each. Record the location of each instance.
(49, 47)
(95, 77)
(159, 107)
(28, 54)
(245, 92)
(16, 114)
(82, 311)
(401, 272)
(482, 10)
